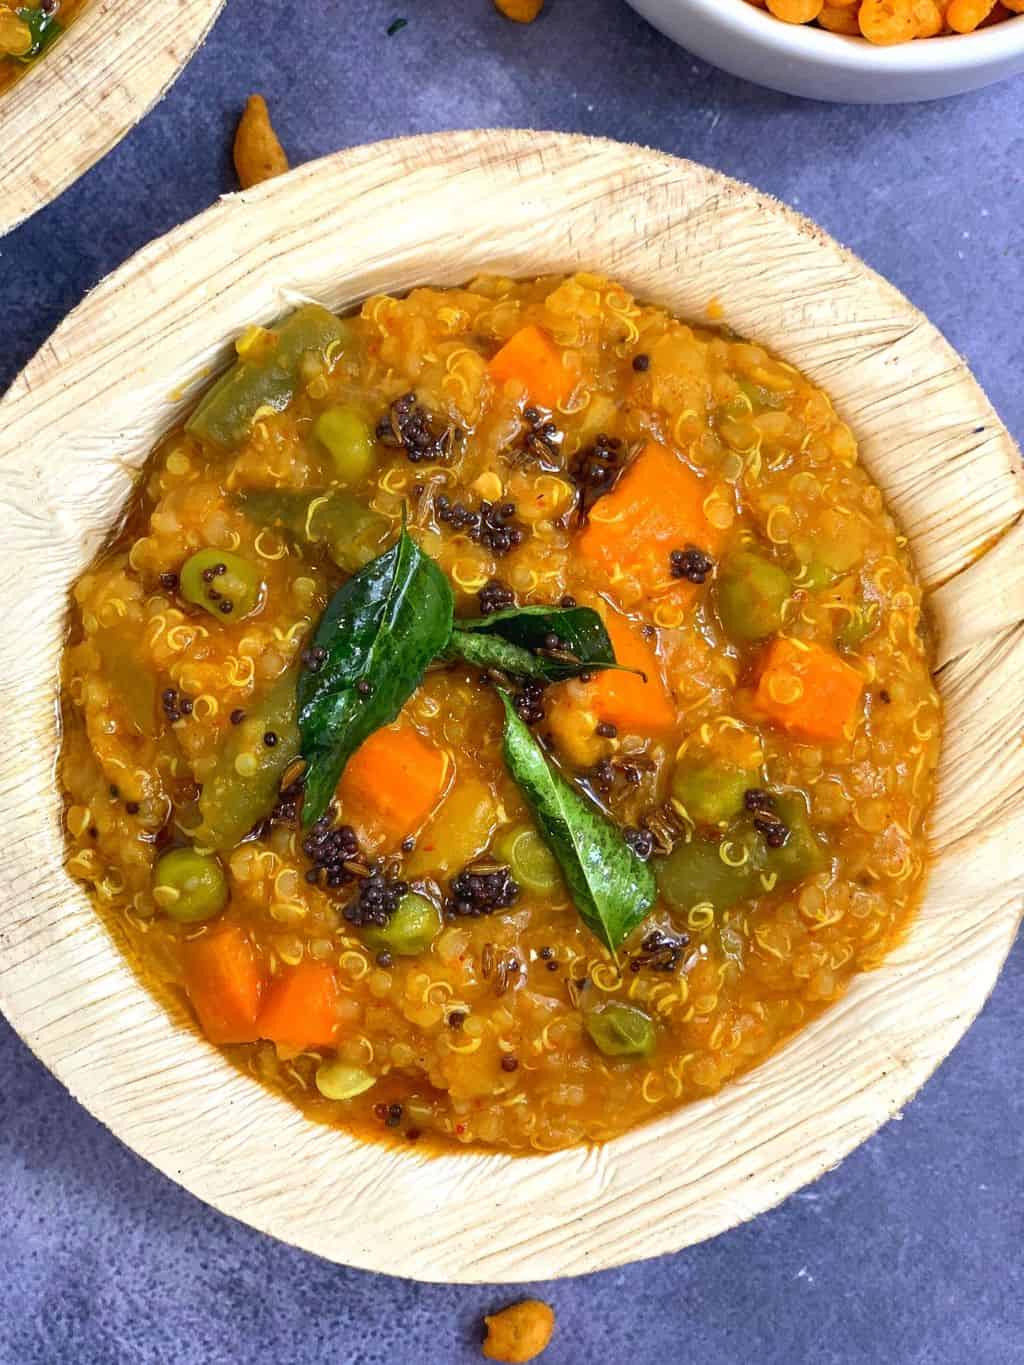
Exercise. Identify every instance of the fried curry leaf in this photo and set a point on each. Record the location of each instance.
(612, 888)
(519, 641)
(491, 651)
(377, 636)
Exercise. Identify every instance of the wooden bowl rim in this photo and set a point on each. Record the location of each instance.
(83, 414)
(81, 99)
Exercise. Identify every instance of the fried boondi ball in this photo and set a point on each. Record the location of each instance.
(519, 1333)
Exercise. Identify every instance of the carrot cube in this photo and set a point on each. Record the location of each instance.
(395, 778)
(808, 689)
(301, 1008)
(656, 507)
(636, 705)
(225, 983)
(531, 357)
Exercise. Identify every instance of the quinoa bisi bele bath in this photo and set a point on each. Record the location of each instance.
(504, 714)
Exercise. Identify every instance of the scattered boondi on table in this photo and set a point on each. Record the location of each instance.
(257, 151)
(504, 714)
(519, 1333)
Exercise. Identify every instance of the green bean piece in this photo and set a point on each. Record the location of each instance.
(802, 855)
(620, 1030)
(814, 575)
(224, 584)
(857, 625)
(336, 1080)
(410, 931)
(719, 873)
(350, 533)
(244, 785)
(712, 794)
(531, 862)
(347, 436)
(225, 414)
(741, 865)
(135, 685)
(190, 886)
(751, 594)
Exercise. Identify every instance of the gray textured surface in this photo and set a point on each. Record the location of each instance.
(911, 1252)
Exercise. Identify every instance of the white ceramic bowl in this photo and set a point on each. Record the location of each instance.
(799, 59)
(76, 427)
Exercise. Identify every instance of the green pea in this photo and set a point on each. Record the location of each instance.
(751, 592)
(533, 864)
(224, 584)
(190, 886)
(410, 930)
(711, 794)
(336, 1080)
(620, 1030)
(348, 439)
